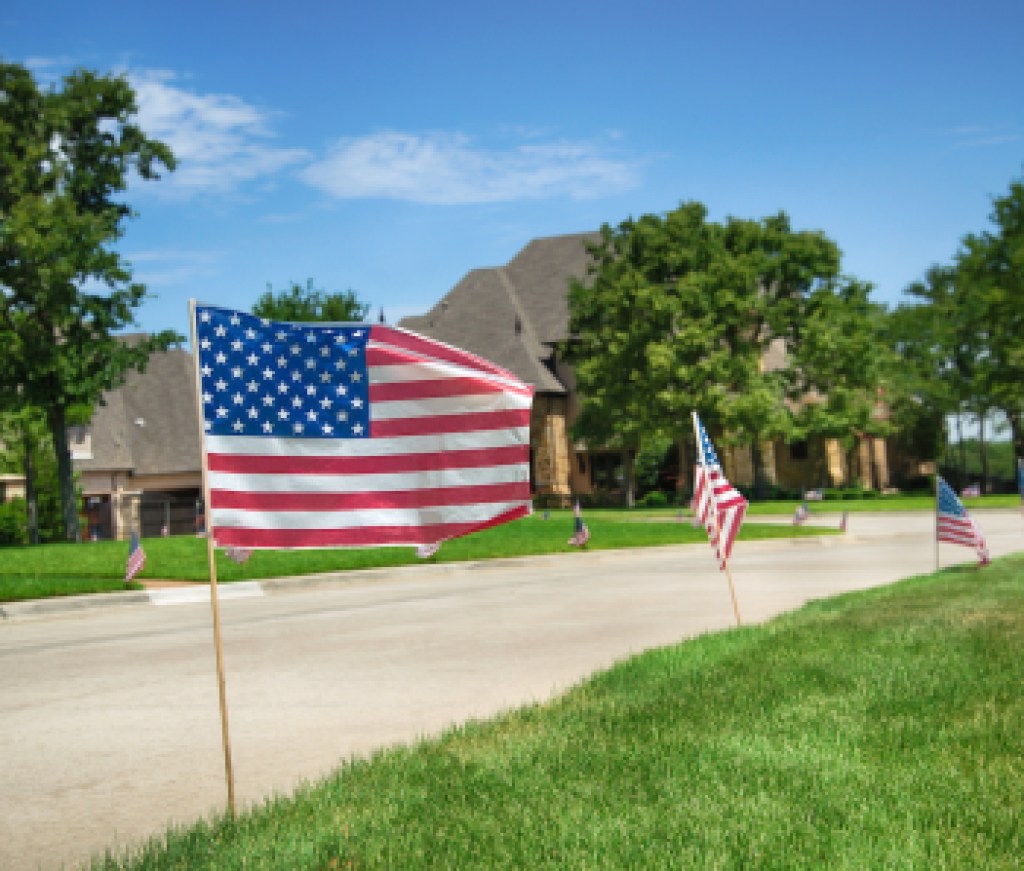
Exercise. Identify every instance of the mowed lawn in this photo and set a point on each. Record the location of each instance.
(881, 729)
(70, 569)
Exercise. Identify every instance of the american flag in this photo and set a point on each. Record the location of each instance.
(581, 533)
(719, 505)
(136, 558)
(354, 435)
(955, 526)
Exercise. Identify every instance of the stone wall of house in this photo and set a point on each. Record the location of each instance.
(550, 443)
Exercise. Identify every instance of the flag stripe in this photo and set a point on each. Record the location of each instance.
(316, 482)
(369, 500)
(422, 533)
(388, 340)
(450, 423)
(380, 464)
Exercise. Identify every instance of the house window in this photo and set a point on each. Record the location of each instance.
(798, 450)
(81, 442)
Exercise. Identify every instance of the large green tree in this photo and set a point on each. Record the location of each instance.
(990, 273)
(298, 303)
(66, 156)
(678, 314)
(840, 369)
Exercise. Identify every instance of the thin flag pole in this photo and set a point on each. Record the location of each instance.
(714, 517)
(936, 521)
(212, 564)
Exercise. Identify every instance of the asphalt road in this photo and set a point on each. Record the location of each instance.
(111, 728)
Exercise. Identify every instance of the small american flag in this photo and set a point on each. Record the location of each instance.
(801, 515)
(955, 526)
(354, 435)
(581, 534)
(719, 505)
(136, 558)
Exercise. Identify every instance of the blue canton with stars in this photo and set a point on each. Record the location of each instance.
(710, 457)
(264, 378)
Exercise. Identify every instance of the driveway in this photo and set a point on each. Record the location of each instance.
(111, 726)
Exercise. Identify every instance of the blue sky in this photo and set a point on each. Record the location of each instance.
(392, 147)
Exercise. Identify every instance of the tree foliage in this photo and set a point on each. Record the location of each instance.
(66, 156)
(299, 304)
(990, 272)
(678, 314)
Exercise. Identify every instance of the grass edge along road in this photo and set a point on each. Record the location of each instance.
(94, 567)
(877, 729)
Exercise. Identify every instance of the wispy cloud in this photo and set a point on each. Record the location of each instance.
(220, 141)
(452, 169)
(976, 135)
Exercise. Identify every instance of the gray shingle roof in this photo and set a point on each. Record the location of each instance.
(167, 439)
(513, 315)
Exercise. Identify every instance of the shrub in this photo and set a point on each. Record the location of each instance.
(14, 522)
(654, 499)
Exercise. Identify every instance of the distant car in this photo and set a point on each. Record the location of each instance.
(970, 490)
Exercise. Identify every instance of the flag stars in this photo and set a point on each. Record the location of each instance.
(221, 384)
(221, 358)
(268, 374)
(252, 360)
(238, 426)
(222, 411)
(297, 402)
(220, 330)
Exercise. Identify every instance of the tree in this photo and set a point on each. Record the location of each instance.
(299, 303)
(26, 447)
(990, 271)
(678, 316)
(65, 156)
(840, 366)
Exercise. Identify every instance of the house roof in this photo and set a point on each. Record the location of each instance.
(149, 425)
(513, 315)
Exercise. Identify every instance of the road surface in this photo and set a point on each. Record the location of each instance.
(111, 726)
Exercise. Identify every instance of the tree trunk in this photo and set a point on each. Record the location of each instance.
(983, 454)
(627, 477)
(65, 472)
(30, 488)
(757, 461)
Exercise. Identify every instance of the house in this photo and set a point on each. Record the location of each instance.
(516, 315)
(138, 461)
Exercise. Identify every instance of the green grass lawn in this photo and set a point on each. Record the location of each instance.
(881, 729)
(67, 569)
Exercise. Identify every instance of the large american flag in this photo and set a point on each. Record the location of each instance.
(354, 435)
(719, 505)
(955, 526)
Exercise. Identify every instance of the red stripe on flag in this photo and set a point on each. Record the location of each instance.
(367, 536)
(450, 423)
(435, 389)
(474, 458)
(421, 347)
(365, 501)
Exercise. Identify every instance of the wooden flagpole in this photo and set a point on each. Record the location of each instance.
(714, 517)
(212, 564)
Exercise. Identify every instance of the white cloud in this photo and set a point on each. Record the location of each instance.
(973, 135)
(220, 141)
(451, 169)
